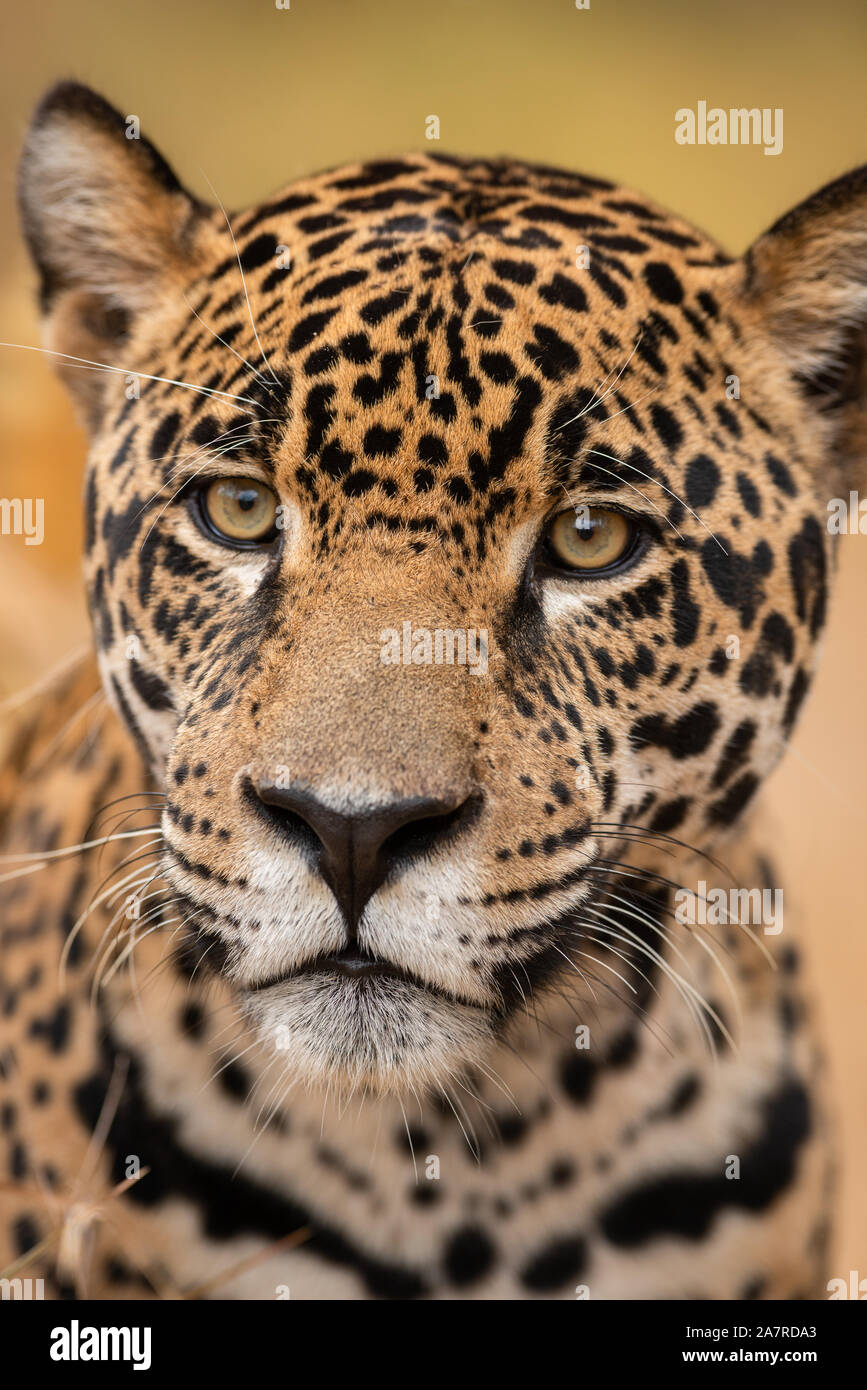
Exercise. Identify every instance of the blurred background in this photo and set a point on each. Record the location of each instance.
(250, 96)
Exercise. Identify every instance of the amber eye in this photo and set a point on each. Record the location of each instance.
(241, 509)
(590, 540)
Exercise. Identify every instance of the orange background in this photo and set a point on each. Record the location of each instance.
(249, 96)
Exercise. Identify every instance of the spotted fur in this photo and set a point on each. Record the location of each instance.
(426, 359)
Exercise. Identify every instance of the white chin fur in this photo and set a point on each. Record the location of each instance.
(375, 1033)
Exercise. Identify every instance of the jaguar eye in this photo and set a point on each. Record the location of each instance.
(240, 510)
(590, 540)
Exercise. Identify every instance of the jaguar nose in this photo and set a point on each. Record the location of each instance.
(355, 853)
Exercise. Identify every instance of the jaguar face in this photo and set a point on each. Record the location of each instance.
(454, 528)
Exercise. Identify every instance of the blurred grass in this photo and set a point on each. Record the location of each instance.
(251, 96)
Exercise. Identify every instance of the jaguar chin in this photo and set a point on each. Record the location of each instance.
(379, 1030)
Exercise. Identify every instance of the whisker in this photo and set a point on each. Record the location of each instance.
(473, 1145)
(695, 1002)
(598, 401)
(75, 849)
(632, 488)
(603, 963)
(640, 471)
(55, 743)
(216, 335)
(71, 359)
(227, 449)
(612, 900)
(243, 281)
(190, 455)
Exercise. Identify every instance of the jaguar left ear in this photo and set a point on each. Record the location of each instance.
(806, 285)
(107, 222)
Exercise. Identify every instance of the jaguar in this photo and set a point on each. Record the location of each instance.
(335, 974)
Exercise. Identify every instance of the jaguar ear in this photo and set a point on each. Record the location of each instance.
(806, 279)
(107, 223)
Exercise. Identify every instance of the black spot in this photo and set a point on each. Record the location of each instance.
(732, 576)
(735, 753)
(512, 1128)
(729, 807)
(685, 1203)
(667, 428)
(566, 293)
(380, 441)
(259, 251)
(426, 1195)
(192, 1020)
(798, 690)
(164, 436)
(807, 567)
(552, 354)
(150, 687)
(562, 1172)
(54, 1028)
(383, 307)
(309, 328)
(685, 1094)
(670, 815)
(519, 272)
(356, 347)
(623, 1050)
(334, 461)
(498, 366)
(663, 282)
(702, 481)
(234, 1080)
(357, 483)
(468, 1255)
(780, 475)
(728, 420)
(753, 1289)
(684, 738)
(684, 611)
(578, 1077)
(749, 494)
(25, 1234)
(563, 1260)
(763, 557)
(333, 285)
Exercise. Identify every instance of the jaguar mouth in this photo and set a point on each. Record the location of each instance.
(357, 966)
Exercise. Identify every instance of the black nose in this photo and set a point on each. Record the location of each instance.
(355, 853)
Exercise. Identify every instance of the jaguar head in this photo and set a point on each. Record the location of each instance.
(453, 528)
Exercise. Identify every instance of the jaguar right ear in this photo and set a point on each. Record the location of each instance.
(107, 223)
(806, 288)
